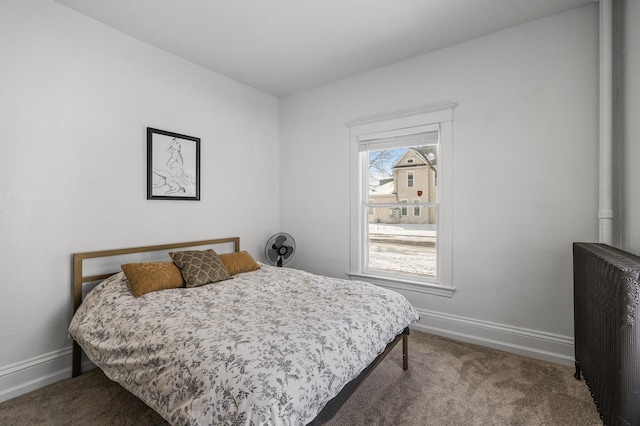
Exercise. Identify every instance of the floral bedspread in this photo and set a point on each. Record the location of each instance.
(268, 347)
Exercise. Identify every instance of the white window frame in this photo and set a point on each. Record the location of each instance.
(413, 177)
(404, 210)
(417, 208)
(437, 117)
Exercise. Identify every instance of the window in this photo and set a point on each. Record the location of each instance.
(398, 249)
(416, 210)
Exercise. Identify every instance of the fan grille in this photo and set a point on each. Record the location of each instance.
(279, 249)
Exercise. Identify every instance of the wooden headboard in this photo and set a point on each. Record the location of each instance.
(79, 278)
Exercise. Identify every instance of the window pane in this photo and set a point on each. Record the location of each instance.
(408, 248)
(403, 208)
(402, 238)
(404, 172)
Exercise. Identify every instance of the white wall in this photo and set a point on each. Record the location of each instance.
(525, 168)
(629, 85)
(75, 100)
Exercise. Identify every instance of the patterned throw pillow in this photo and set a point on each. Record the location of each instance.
(146, 277)
(199, 267)
(238, 262)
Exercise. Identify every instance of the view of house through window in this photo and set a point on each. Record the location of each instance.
(401, 200)
(402, 207)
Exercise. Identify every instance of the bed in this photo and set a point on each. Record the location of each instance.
(269, 346)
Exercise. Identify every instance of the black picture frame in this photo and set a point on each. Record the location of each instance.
(173, 166)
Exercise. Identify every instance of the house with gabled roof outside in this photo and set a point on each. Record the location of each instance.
(415, 179)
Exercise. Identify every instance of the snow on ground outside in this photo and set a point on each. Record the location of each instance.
(408, 248)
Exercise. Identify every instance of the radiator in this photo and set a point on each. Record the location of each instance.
(607, 329)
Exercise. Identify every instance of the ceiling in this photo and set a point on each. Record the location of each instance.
(285, 46)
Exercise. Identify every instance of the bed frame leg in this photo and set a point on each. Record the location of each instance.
(405, 352)
(76, 359)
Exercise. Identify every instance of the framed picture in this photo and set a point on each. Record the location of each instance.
(173, 166)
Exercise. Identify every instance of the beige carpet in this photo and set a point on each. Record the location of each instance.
(448, 383)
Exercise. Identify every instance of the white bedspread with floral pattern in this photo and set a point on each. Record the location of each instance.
(268, 347)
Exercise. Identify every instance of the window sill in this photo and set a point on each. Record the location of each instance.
(396, 284)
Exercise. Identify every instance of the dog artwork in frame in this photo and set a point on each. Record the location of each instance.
(173, 166)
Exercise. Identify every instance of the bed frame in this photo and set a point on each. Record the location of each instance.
(79, 279)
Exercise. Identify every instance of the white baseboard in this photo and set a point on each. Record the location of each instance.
(22, 377)
(34, 373)
(532, 343)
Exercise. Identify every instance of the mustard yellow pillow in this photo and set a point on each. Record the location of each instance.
(146, 277)
(238, 262)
